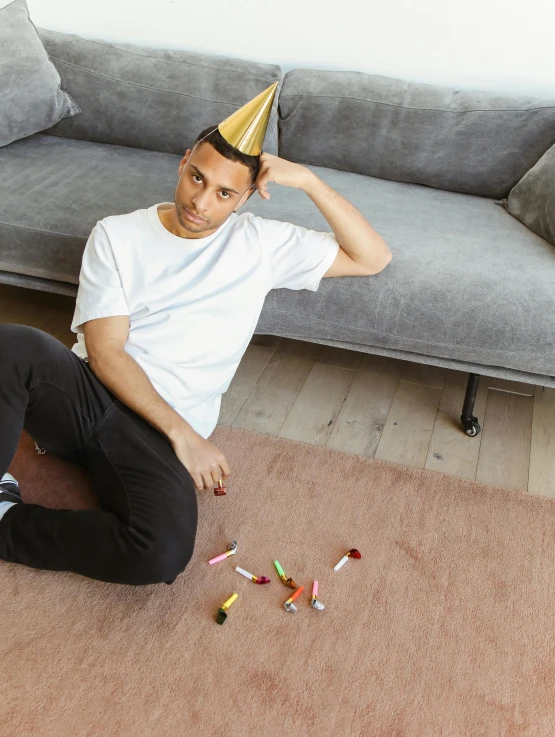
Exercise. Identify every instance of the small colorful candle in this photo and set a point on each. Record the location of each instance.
(315, 602)
(287, 581)
(221, 616)
(256, 579)
(353, 553)
(220, 489)
(232, 550)
(289, 604)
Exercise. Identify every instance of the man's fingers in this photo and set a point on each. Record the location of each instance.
(210, 478)
(225, 467)
(262, 179)
(208, 482)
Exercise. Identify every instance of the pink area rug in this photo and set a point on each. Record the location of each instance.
(444, 627)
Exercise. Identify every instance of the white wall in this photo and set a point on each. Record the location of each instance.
(502, 45)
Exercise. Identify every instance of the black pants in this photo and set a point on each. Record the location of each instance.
(145, 529)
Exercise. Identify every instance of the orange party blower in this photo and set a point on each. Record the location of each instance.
(289, 605)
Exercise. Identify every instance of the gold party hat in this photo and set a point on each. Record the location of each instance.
(245, 128)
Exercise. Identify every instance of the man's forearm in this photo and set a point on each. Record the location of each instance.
(353, 232)
(125, 378)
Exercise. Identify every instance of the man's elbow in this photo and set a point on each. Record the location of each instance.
(385, 261)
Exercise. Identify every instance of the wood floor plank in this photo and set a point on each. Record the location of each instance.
(272, 341)
(265, 410)
(49, 312)
(254, 361)
(341, 357)
(422, 373)
(68, 338)
(518, 387)
(541, 478)
(362, 417)
(17, 312)
(506, 436)
(54, 320)
(451, 450)
(317, 405)
(290, 365)
(22, 298)
(409, 425)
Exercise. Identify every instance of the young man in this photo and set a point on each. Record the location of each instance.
(169, 298)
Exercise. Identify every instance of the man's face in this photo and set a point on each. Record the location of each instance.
(210, 187)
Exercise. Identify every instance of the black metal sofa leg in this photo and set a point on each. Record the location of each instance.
(469, 422)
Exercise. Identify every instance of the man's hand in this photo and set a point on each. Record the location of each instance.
(278, 170)
(353, 232)
(202, 459)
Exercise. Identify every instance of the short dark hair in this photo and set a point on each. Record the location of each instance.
(224, 148)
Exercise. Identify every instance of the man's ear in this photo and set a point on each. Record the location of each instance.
(253, 190)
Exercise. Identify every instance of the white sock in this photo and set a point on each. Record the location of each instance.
(4, 506)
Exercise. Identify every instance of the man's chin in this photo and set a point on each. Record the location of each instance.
(193, 227)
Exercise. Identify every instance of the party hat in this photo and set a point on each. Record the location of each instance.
(245, 128)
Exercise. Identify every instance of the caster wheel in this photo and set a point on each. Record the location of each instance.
(471, 426)
(473, 431)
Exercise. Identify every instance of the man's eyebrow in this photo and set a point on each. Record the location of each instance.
(227, 189)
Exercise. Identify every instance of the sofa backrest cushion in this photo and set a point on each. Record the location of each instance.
(479, 143)
(149, 98)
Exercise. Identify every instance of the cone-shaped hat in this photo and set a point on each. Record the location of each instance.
(245, 128)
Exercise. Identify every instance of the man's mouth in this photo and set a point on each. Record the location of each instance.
(194, 218)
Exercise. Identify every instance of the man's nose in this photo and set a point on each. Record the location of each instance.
(201, 201)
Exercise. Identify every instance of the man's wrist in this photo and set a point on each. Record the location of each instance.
(181, 429)
(309, 180)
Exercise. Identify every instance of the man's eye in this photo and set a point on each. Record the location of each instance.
(223, 191)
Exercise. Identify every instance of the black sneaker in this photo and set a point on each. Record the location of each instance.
(9, 489)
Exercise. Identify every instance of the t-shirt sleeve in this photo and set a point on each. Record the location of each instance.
(100, 293)
(298, 257)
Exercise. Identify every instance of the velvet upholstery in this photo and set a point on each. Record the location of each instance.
(532, 200)
(31, 97)
(157, 99)
(467, 141)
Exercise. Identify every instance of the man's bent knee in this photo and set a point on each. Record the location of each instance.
(25, 344)
(162, 563)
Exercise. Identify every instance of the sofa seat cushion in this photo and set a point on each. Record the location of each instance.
(53, 190)
(467, 281)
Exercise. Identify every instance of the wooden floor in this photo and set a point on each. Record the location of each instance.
(372, 406)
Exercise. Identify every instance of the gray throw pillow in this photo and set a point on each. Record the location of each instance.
(30, 93)
(532, 200)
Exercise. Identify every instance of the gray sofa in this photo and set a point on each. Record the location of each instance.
(470, 287)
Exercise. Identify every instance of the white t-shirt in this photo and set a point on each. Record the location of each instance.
(193, 303)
